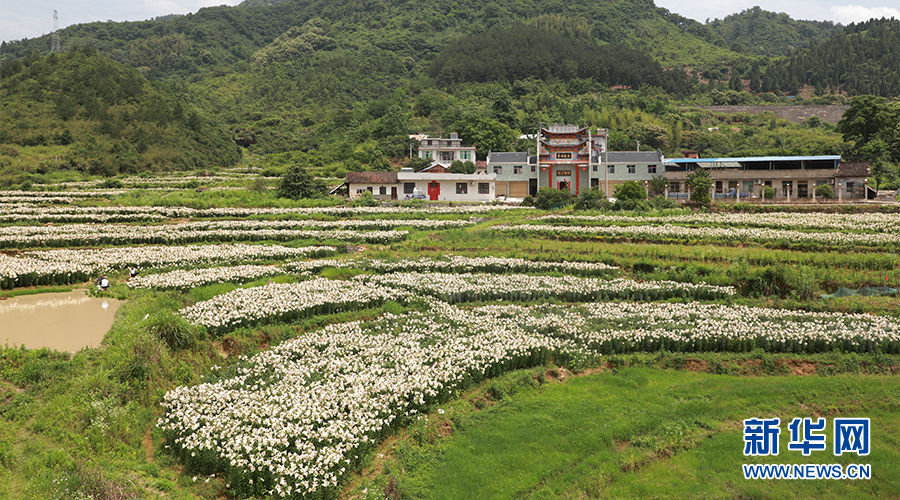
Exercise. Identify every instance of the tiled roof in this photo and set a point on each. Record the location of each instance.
(372, 177)
(853, 169)
(631, 156)
(513, 157)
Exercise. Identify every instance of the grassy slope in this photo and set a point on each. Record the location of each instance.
(644, 433)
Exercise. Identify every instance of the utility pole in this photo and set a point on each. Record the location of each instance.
(54, 40)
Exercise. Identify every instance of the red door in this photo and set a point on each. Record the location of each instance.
(393, 193)
(434, 189)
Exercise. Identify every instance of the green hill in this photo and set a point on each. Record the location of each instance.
(767, 33)
(100, 117)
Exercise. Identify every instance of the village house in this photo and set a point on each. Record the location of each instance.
(436, 186)
(445, 151)
(794, 178)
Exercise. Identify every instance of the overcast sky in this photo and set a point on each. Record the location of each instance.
(32, 18)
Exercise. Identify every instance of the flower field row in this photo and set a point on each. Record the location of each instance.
(58, 267)
(124, 234)
(456, 288)
(458, 264)
(296, 419)
(620, 327)
(189, 278)
(27, 271)
(709, 233)
(862, 222)
(277, 302)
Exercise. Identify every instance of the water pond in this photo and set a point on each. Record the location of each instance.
(66, 321)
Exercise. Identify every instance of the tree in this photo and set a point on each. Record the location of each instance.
(650, 135)
(658, 185)
(419, 164)
(486, 134)
(462, 167)
(867, 118)
(298, 184)
(754, 77)
(700, 183)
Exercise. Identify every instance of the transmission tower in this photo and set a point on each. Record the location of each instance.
(54, 41)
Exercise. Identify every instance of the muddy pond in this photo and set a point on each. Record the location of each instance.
(67, 321)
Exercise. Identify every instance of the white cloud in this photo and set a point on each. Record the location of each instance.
(846, 14)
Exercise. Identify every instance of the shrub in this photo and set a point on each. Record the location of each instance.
(172, 329)
(630, 190)
(549, 198)
(366, 199)
(824, 191)
(662, 203)
(528, 201)
(590, 199)
(768, 192)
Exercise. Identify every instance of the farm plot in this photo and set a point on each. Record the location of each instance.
(297, 418)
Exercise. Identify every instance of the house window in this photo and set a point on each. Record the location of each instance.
(446, 156)
(465, 155)
(632, 169)
(534, 168)
(498, 169)
(428, 142)
(369, 189)
(484, 188)
(517, 169)
(595, 168)
(382, 190)
(611, 169)
(409, 187)
(462, 188)
(428, 154)
(674, 187)
(651, 169)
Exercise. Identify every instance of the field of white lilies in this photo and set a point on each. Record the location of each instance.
(294, 420)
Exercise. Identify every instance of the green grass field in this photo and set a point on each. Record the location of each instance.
(640, 433)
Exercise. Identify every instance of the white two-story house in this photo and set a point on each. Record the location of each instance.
(445, 151)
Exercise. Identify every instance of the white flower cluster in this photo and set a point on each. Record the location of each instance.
(456, 264)
(466, 287)
(189, 278)
(27, 271)
(125, 234)
(95, 193)
(631, 326)
(173, 255)
(284, 302)
(716, 233)
(69, 214)
(862, 222)
(294, 417)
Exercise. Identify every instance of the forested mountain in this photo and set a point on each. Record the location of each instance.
(340, 86)
(104, 118)
(517, 53)
(223, 36)
(864, 58)
(765, 33)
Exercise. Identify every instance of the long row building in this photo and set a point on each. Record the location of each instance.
(577, 158)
